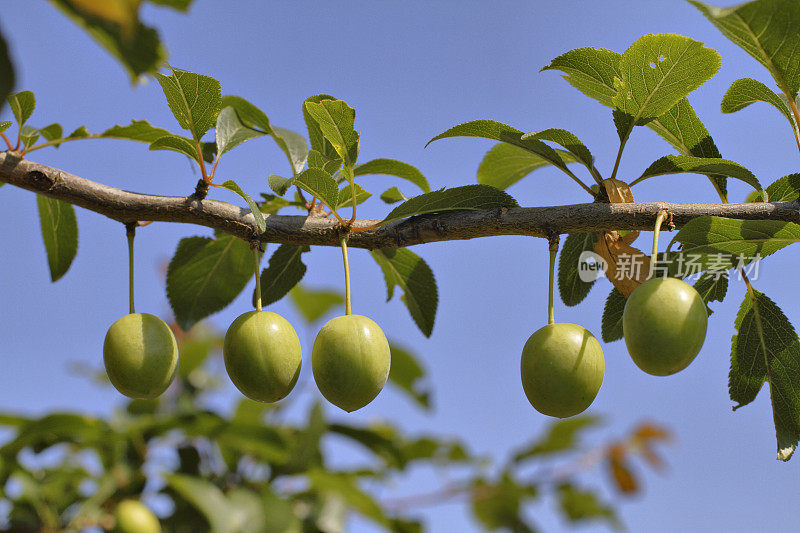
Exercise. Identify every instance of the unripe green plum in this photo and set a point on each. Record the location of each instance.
(562, 369)
(262, 355)
(134, 517)
(664, 324)
(351, 360)
(140, 355)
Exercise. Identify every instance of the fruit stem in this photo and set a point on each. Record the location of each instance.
(551, 319)
(348, 307)
(662, 215)
(130, 232)
(256, 258)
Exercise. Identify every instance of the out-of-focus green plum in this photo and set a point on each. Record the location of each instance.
(134, 517)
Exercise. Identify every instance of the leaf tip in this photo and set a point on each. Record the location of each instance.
(784, 454)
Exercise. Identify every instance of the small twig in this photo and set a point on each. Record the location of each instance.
(796, 115)
(8, 141)
(202, 162)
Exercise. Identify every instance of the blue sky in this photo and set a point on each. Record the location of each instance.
(411, 70)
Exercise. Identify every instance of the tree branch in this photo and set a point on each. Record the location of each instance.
(127, 207)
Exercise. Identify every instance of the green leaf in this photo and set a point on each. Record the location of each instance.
(320, 184)
(346, 196)
(746, 91)
(336, 121)
(571, 287)
(7, 76)
(279, 184)
(408, 375)
(766, 348)
(79, 133)
(59, 232)
(490, 129)
(579, 505)
(392, 167)
(136, 46)
(4, 125)
(561, 436)
(315, 135)
(498, 505)
(176, 143)
(675, 164)
(566, 139)
(345, 487)
(314, 304)
(205, 275)
(683, 129)
(406, 269)
(22, 105)
(611, 327)
(590, 70)
(505, 164)
(783, 189)
(466, 197)
(250, 115)
(285, 270)
(230, 131)
(137, 130)
(259, 218)
(593, 71)
(206, 498)
(28, 135)
(273, 204)
(765, 29)
(180, 5)
(381, 440)
(194, 99)
(658, 70)
(719, 242)
(317, 160)
(52, 131)
(712, 287)
(393, 195)
(293, 145)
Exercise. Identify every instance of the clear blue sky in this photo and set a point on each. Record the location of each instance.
(411, 70)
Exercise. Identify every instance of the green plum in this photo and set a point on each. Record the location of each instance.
(664, 324)
(351, 360)
(140, 355)
(262, 355)
(134, 517)
(562, 369)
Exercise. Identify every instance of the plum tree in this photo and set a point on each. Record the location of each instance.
(663, 321)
